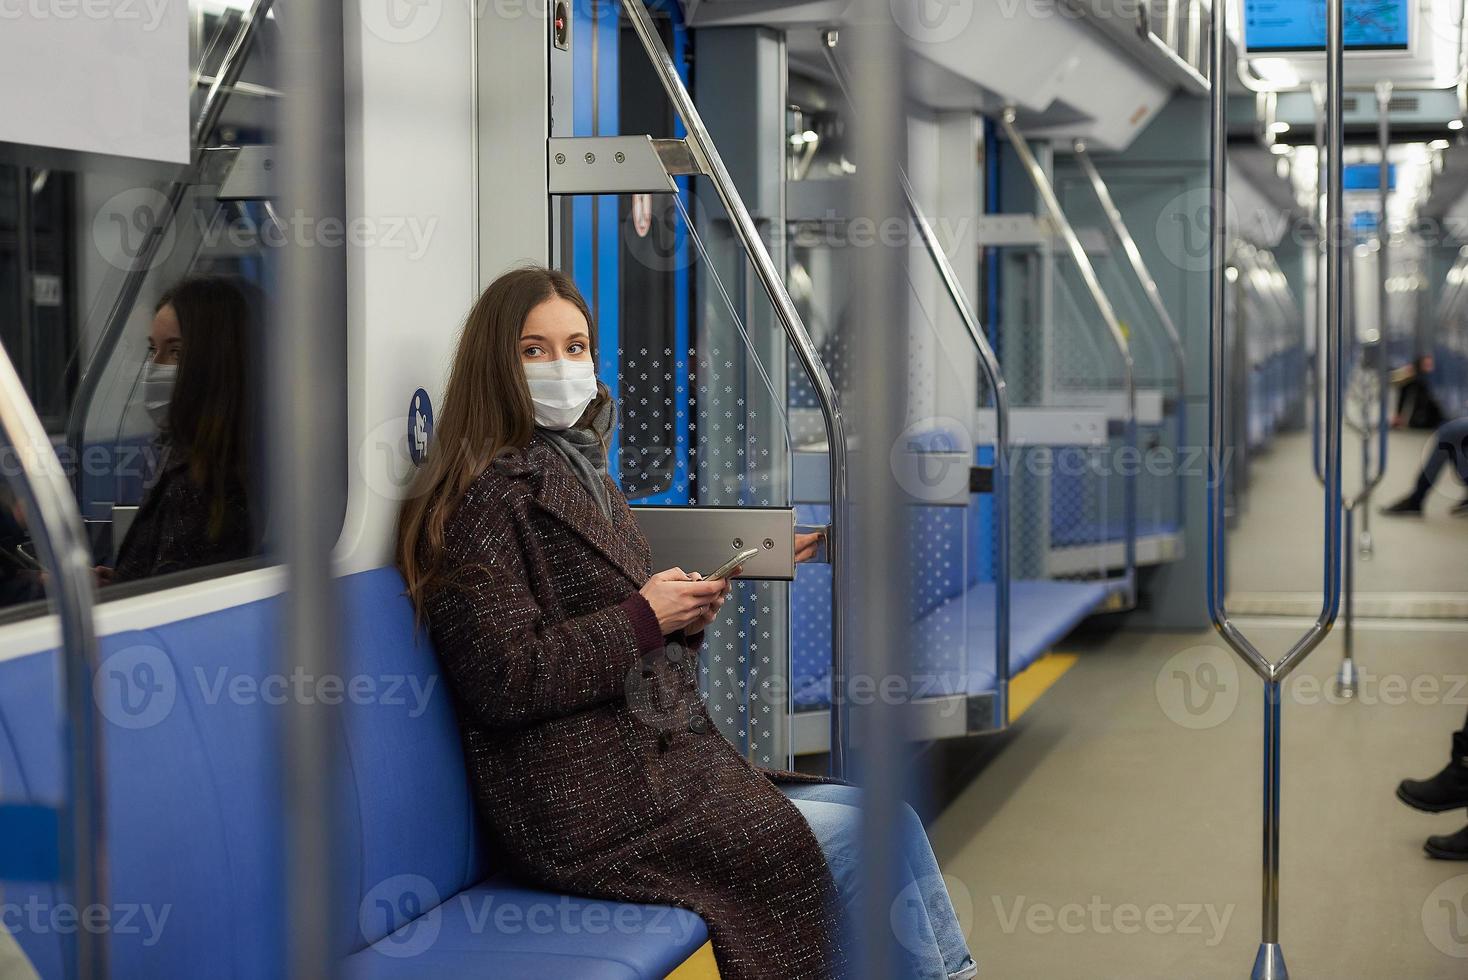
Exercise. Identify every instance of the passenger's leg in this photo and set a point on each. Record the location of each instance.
(1450, 446)
(924, 919)
(1448, 790)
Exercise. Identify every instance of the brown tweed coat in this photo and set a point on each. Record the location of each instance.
(595, 764)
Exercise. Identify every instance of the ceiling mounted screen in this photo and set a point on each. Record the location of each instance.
(1299, 25)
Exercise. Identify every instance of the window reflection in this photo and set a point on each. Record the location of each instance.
(198, 386)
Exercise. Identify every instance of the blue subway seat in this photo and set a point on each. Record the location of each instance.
(193, 719)
(953, 613)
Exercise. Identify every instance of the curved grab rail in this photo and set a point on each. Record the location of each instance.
(1144, 275)
(60, 539)
(1113, 327)
(707, 156)
(990, 364)
(121, 309)
(1269, 961)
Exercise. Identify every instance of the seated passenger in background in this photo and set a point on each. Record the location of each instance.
(595, 764)
(1416, 408)
(197, 386)
(1449, 445)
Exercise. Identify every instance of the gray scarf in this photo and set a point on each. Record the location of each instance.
(584, 452)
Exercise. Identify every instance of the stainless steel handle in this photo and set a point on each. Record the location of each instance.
(712, 164)
(1078, 255)
(61, 542)
(1269, 961)
(132, 284)
(989, 362)
(1149, 287)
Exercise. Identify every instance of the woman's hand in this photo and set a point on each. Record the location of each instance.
(678, 599)
(806, 545)
(711, 611)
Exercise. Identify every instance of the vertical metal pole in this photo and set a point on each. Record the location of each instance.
(880, 612)
(1318, 325)
(306, 430)
(61, 542)
(1346, 680)
(989, 364)
(1269, 962)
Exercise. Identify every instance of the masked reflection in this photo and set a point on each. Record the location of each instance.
(196, 387)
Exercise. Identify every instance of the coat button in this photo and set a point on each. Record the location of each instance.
(697, 725)
(674, 653)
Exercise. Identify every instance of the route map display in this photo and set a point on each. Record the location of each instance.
(1299, 25)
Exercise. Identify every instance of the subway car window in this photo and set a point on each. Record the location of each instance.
(138, 294)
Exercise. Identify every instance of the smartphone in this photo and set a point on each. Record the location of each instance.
(732, 563)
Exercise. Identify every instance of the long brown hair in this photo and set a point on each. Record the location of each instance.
(211, 413)
(486, 411)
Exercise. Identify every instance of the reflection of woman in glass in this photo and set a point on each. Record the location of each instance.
(196, 387)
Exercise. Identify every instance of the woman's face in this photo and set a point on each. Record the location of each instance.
(165, 340)
(555, 330)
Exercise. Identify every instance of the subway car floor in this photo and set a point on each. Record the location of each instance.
(1418, 567)
(1115, 830)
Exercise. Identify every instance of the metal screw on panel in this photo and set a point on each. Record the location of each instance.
(560, 158)
(769, 544)
(621, 157)
(591, 158)
(738, 543)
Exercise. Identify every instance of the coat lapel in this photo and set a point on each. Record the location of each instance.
(562, 496)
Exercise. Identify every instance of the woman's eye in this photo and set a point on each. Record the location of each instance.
(577, 348)
(531, 352)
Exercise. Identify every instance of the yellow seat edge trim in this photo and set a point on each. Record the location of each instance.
(699, 966)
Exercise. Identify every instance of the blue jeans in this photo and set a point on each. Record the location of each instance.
(923, 920)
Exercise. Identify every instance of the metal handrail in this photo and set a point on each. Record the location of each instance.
(1149, 287)
(1346, 678)
(56, 530)
(121, 309)
(1269, 961)
(989, 362)
(1383, 241)
(1078, 254)
(712, 164)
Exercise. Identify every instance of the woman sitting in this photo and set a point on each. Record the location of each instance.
(595, 764)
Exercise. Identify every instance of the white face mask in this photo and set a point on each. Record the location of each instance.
(561, 390)
(158, 382)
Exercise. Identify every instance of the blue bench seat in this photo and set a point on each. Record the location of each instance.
(194, 712)
(953, 644)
